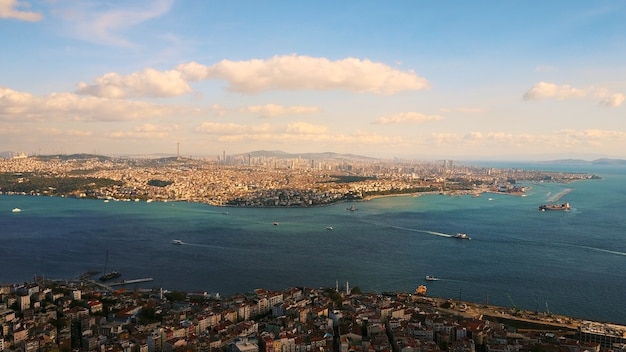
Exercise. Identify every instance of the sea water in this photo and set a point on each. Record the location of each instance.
(566, 262)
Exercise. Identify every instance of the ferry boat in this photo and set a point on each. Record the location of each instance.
(462, 236)
(563, 206)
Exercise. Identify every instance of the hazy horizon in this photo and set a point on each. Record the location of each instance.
(413, 80)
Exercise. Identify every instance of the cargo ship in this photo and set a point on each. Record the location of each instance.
(563, 206)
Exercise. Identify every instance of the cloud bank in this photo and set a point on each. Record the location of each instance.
(287, 73)
(9, 9)
(545, 90)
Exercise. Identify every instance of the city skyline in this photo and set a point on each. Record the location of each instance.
(480, 80)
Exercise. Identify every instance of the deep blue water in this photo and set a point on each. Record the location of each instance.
(572, 263)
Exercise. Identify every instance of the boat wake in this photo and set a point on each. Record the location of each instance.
(596, 249)
(556, 197)
(441, 234)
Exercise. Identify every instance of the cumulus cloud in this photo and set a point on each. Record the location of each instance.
(148, 83)
(544, 90)
(193, 71)
(292, 72)
(273, 110)
(613, 100)
(254, 76)
(406, 117)
(20, 106)
(10, 9)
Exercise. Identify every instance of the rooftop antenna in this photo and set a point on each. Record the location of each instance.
(178, 150)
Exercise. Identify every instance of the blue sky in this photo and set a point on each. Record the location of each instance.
(409, 79)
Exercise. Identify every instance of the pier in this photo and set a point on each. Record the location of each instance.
(127, 282)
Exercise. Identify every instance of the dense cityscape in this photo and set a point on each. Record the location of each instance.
(88, 315)
(260, 181)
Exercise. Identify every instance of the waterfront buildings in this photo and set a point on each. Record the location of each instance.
(296, 319)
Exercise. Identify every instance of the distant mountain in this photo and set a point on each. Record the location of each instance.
(603, 161)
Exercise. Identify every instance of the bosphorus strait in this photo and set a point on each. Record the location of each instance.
(570, 262)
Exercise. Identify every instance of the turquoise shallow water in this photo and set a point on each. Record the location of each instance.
(573, 262)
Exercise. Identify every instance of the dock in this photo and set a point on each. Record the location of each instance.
(127, 282)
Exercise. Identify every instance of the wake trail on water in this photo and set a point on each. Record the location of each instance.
(595, 249)
(561, 244)
(441, 234)
(215, 247)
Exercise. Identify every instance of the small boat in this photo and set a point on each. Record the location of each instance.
(351, 208)
(462, 236)
(431, 278)
(179, 242)
(16, 210)
(329, 228)
(275, 223)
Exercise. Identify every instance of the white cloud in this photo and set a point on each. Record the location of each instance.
(107, 26)
(9, 9)
(613, 100)
(193, 71)
(148, 83)
(220, 128)
(406, 117)
(294, 72)
(253, 76)
(306, 128)
(19, 106)
(272, 110)
(293, 133)
(465, 110)
(593, 136)
(544, 90)
(145, 131)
